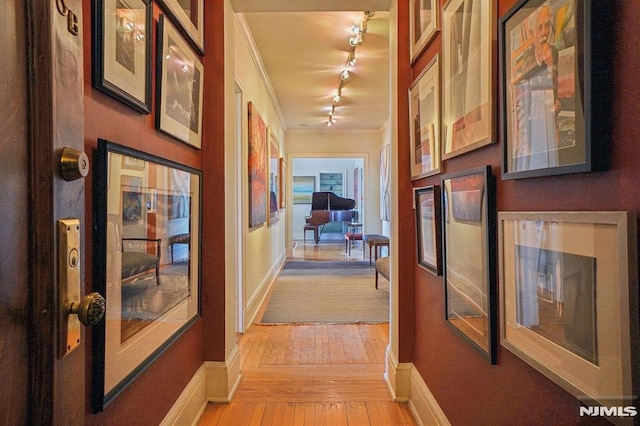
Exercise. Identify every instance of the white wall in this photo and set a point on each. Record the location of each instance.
(263, 246)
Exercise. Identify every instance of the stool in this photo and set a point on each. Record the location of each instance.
(374, 241)
(350, 237)
(382, 268)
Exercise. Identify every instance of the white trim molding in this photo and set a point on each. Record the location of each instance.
(407, 385)
(212, 382)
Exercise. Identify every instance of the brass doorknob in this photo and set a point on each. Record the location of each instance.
(90, 309)
(74, 164)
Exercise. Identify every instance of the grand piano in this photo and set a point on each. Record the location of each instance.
(328, 207)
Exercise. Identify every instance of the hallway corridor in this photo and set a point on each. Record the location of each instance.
(312, 374)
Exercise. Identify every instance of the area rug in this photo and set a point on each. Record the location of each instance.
(327, 292)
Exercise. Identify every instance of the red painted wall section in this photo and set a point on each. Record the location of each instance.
(154, 392)
(466, 386)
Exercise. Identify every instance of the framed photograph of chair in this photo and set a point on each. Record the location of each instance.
(469, 257)
(146, 263)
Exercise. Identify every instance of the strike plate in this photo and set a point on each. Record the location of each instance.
(68, 283)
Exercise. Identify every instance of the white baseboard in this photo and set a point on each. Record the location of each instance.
(407, 385)
(212, 382)
(258, 298)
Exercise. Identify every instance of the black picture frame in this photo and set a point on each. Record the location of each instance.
(429, 228)
(189, 21)
(121, 59)
(180, 86)
(469, 257)
(147, 266)
(555, 97)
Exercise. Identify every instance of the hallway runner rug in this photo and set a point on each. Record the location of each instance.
(327, 293)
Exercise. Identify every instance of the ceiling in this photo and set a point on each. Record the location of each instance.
(304, 49)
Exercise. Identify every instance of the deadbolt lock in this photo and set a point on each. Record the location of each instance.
(74, 164)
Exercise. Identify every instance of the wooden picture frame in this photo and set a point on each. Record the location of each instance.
(147, 265)
(180, 77)
(469, 257)
(429, 228)
(258, 164)
(424, 25)
(273, 215)
(122, 38)
(551, 64)
(424, 126)
(569, 290)
(468, 76)
(190, 21)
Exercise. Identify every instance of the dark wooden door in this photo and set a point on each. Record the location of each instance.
(41, 93)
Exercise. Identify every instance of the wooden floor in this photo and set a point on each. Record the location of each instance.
(312, 374)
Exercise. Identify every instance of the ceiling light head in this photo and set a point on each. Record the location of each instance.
(345, 74)
(336, 99)
(355, 29)
(356, 40)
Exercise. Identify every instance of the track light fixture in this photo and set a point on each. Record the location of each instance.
(355, 40)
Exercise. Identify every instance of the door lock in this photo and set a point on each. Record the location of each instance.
(74, 164)
(73, 310)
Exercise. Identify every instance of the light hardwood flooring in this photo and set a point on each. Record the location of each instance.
(312, 374)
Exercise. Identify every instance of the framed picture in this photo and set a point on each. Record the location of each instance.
(332, 182)
(429, 228)
(550, 70)
(424, 111)
(303, 188)
(274, 179)
(569, 290)
(423, 15)
(122, 31)
(180, 77)
(258, 154)
(468, 114)
(385, 183)
(282, 191)
(146, 264)
(189, 17)
(469, 259)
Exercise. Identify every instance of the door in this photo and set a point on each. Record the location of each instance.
(42, 101)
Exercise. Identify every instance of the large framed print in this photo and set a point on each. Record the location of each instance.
(469, 257)
(468, 75)
(122, 40)
(423, 15)
(569, 290)
(551, 67)
(146, 262)
(258, 155)
(189, 17)
(282, 191)
(429, 228)
(424, 111)
(180, 78)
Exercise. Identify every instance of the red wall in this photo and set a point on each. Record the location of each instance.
(150, 397)
(469, 390)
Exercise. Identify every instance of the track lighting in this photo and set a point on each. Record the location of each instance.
(354, 41)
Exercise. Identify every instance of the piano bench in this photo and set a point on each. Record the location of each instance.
(313, 228)
(375, 242)
(348, 238)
